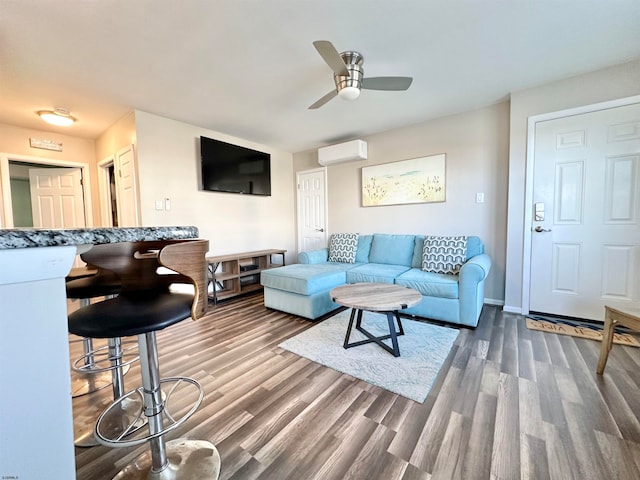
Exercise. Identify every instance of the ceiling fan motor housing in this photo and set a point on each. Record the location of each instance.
(353, 61)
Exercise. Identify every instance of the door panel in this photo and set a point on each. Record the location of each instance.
(617, 275)
(126, 188)
(568, 193)
(621, 188)
(57, 197)
(586, 231)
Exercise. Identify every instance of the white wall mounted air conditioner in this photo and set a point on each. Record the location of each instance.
(342, 152)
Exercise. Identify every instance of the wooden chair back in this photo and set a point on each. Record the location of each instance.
(136, 264)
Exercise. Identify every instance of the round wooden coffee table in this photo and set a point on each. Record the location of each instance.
(375, 297)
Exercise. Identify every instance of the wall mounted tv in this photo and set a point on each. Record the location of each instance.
(234, 169)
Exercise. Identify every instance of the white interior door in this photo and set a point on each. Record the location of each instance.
(126, 188)
(57, 197)
(312, 209)
(585, 245)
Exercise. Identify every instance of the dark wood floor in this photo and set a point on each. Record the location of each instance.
(508, 404)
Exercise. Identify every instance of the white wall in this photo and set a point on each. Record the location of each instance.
(607, 84)
(169, 167)
(476, 148)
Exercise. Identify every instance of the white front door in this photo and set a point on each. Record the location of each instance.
(585, 244)
(56, 197)
(126, 188)
(312, 209)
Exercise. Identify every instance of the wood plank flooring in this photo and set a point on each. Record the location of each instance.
(509, 403)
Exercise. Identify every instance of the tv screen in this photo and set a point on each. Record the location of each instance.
(234, 169)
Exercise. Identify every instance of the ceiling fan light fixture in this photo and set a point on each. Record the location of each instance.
(57, 116)
(349, 93)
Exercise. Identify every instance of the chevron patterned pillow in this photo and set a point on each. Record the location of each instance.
(444, 254)
(343, 247)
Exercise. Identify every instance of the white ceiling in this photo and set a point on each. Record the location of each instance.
(248, 68)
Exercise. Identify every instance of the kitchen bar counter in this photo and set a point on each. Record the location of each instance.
(33, 237)
(36, 422)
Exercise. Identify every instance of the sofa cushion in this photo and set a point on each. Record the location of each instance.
(343, 247)
(364, 247)
(430, 284)
(474, 247)
(392, 249)
(304, 278)
(444, 254)
(416, 261)
(375, 273)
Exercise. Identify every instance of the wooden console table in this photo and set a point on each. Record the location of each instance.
(240, 272)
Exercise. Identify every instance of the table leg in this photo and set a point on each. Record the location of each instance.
(607, 341)
(348, 335)
(393, 334)
(400, 329)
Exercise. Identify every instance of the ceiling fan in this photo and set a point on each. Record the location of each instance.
(348, 75)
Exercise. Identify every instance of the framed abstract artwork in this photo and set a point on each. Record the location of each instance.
(419, 180)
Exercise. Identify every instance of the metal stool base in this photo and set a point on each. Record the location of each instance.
(188, 460)
(89, 382)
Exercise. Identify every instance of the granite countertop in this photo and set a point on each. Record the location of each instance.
(34, 237)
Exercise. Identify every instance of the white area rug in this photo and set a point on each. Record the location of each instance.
(423, 349)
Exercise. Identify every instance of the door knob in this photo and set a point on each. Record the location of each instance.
(319, 229)
(539, 229)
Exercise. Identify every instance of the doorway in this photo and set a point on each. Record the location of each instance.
(583, 211)
(16, 185)
(118, 189)
(312, 209)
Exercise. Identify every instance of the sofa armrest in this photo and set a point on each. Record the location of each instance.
(471, 288)
(475, 269)
(314, 256)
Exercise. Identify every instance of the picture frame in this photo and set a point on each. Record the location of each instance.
(418, 180)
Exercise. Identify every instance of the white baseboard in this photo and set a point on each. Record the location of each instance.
(509, 309)
(493, 301)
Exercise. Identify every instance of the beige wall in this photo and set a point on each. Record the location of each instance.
(603, 85)
(15, 141)
(118, 136)
(169, 167)
(476, 148)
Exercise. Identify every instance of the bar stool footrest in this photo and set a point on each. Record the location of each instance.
(101, 356)
(175, 394)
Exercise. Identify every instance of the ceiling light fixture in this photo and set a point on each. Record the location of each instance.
(57, 116)
(349, 93)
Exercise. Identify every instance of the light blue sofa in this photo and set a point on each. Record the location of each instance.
(303, 288)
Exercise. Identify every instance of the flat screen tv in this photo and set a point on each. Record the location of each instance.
(234, 169)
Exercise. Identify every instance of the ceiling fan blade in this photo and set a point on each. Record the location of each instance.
(387, 83)
(330, 55)
(323, 100)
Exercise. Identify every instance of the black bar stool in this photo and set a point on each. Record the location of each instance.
(86, 375)
(99, 367)
(144, 306)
